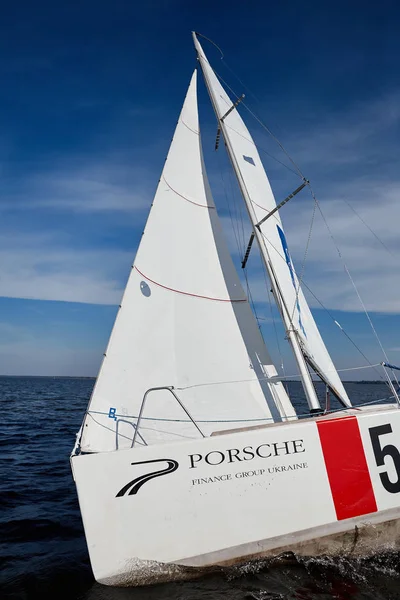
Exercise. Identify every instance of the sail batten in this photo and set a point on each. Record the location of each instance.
(299, 323)
(184, 321)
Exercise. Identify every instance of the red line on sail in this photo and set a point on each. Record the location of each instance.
(187, 199)
(187, 293)
(347, 467)
(190, 129)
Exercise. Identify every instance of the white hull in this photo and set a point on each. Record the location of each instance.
(321, 486)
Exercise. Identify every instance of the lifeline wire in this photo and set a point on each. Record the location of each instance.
(305, 415)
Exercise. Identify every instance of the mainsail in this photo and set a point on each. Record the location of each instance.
(184, 321)
(253, 179)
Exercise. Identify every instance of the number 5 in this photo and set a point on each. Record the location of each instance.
(380, 453)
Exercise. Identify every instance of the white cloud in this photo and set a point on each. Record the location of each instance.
(359, 135)
(91, 188)
(38, 267)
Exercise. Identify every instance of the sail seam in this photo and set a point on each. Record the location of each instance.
(265, 209)
(190, 129)
(188, 293)
(187, 199)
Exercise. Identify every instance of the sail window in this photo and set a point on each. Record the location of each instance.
(145, 289)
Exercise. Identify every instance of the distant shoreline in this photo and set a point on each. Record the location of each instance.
(47, 377)
(358, 381)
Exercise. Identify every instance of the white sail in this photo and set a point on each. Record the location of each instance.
(184, 321)
(256, 183)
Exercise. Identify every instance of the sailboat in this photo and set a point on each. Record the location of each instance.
(191, 455)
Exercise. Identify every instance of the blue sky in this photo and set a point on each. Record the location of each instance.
(90, 96)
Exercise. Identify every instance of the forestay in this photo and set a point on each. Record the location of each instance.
(184, 321)
(292, 303)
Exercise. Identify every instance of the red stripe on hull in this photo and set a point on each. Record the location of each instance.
(347, 467)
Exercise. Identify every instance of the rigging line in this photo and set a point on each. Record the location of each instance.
(297, 171)
(275, 330)
(211, 42)
(276, 140)
(90, 412)
(260, 148)
(241, 214)
(305, 415)
(370, 365)
(235, 209)
(242, 219)
(168, 432)
(253, 306)
(352, 281)
(284, 259)
(228, 204)
(271, 379)
(300, 280)
(239, 208)
(359, 368)
(239, 80)
(252, 303)
(369, 228)
(281, 146)
(269, 293)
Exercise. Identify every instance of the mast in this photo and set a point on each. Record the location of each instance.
(291, 331)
